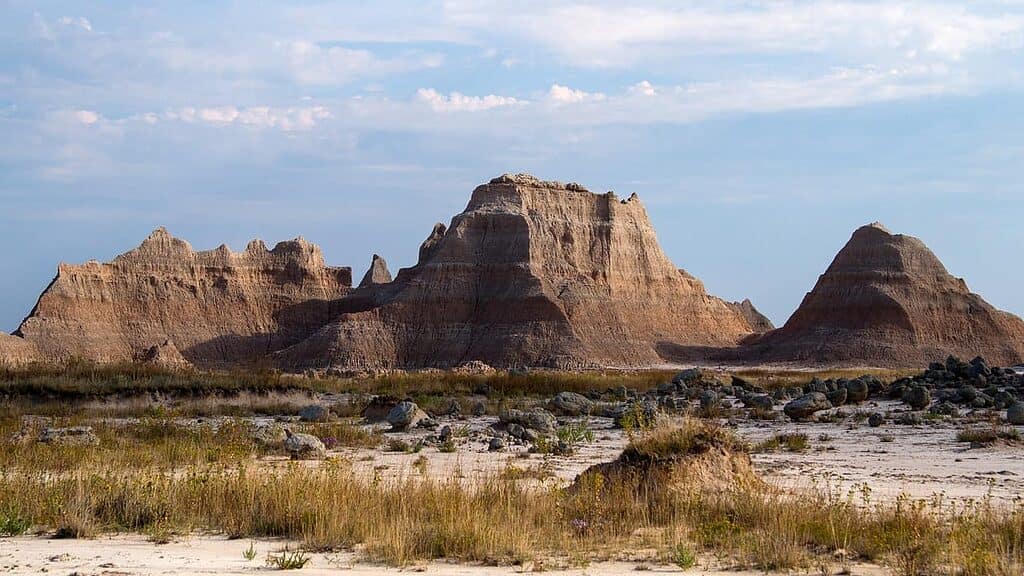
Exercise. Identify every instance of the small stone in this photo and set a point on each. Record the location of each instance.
(570, 404)
(917, 397)
(496, 444)
(876, 419)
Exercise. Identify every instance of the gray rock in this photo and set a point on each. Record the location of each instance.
(405, 415)
(570, 404)
(496, 444)
(1015, 414)
(837, 397)
(72, 436)
(917, 397)
(857, 391)
(314, 413)
(758, 401)
(479, 408)
(876, 419)
(708, 400)
(379, 408)
(304, 446)
(806, 406)
(269, 435)
(537, 419)
(689, 376)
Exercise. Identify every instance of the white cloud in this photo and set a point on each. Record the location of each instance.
(86, 116)
(643, 88)
(286, 119)
(602, 34)
(564, 95)
(79, 22)
(456, 102)
(311, 63)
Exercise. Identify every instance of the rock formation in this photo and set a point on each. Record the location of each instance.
(758, 322)
(377, 274)
(15, 351)
(219, 307)
(166, 355)
(532, 273)
(887, 300)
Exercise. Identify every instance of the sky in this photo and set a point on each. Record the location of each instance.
(759, 134)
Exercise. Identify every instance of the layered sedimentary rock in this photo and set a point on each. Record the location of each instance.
(15, 351)
(887, 300)
(758, 322)
(166, 355)
(377, 274)
(217, 306)
(531, 273)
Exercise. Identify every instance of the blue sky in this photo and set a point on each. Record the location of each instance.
(758, 134)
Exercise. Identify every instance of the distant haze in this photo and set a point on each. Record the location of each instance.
(759, 134)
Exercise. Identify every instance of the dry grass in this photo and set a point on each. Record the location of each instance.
(508, 518)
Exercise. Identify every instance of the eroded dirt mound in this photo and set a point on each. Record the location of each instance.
(695, 456)
(15, 351)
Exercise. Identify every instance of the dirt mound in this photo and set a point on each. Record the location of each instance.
(15, 351)
(888, 301)
(166, 355)
(695, 456)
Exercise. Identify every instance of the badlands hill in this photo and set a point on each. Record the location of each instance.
(217, 307)
(887, 300)
(532, 273)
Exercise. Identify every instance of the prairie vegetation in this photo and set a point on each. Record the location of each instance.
(148, 487)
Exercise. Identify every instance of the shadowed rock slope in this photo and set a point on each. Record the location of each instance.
(532, 273)
(218, 307)
(888, 301)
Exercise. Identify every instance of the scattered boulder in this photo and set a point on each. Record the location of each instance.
(1015, 414)
(806, 406)
(537, 419)
(917, 397)
(71, 436)
(314, 413)
(857, 391)
(379, 408)
(496, 444)
(571, 404)
(405, 415)
(758, 402)
(837, 397)
(304, 446)
(876, 419)
(269, 436)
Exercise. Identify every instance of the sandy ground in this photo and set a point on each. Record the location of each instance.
(919, 461)
(133, 555)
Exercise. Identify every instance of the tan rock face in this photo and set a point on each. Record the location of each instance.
(15, 351)
(758, 322)
(166, 355)
(531, 273)
(887, 300)
(377, 274)
(219, 307)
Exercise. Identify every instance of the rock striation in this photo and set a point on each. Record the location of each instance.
(219, 307)
(888, 301)
(532, 273)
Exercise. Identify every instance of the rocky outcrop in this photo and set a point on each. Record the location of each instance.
(166, 355)
(532, 273)
(219, 307)
(759, 323)
(15, 351)
(887, 300)
(377, 274)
